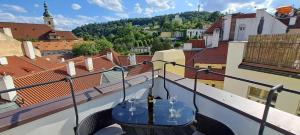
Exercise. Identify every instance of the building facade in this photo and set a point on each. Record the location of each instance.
(195, 33)
(265, 73)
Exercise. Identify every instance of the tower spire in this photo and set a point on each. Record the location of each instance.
(46, 12)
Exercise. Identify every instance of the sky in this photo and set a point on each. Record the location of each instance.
(69, 14)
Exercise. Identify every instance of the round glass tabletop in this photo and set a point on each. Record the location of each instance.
(164, 115)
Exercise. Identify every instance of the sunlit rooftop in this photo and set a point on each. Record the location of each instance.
(216, 111)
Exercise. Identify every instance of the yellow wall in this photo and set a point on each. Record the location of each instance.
(171, 56)
(166, 34)
(9, 46)
(215, 66)
(285, 101)
(218, 84)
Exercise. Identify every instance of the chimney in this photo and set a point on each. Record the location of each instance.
(260, 12)
(3, 61)
(132, 59)
(7, 31)
(187, 46)
(62, 60)
(89, 64)
(293, 20)
(29, 51)
(71, 68)
(6, 82)
(109, 56)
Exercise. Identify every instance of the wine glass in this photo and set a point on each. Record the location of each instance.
(132, 108)
(172, 101)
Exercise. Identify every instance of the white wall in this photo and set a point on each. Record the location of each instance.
(285, 101)
(208, 40)
(215, 38)
(271, 25)
(191, 33)
(227, 26)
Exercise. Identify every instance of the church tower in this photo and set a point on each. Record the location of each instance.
(48, 19)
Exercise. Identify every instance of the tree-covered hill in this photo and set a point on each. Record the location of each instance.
(190, 20)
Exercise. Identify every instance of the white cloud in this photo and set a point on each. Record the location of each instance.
(249, 6)
(114, 5)
(189, 3)
(75, 6)
(14, 8)
(109, 18)
(122, 15)
(138, 8)
(148, 12)
(160, 4)
(36, 5)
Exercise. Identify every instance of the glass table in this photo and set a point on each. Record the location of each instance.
(162, 117)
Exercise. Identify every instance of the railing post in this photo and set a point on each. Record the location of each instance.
(146, 62)
(123, 83)
(69, 79)
(165, 65)
(267, 107)
(195, 87)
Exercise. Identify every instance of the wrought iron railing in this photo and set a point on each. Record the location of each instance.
(277, 88)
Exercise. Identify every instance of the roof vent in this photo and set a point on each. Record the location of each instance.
(29, 51)
(109, 56)
(3, 61)
(6, 82)
(71, 68)
(89, 64)
(132, 59)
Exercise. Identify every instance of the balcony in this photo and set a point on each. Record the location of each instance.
(279, 54)
(217, 108)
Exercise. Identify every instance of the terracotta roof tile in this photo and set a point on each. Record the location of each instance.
(55, 45)
(242, 15)
(196, 43)
(18, 67)
(27, 31)
(217, 24)
(216, 55)
(43, 93)
(139, 69)
(66, 35)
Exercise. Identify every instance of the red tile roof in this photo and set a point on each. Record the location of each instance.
(66, 35)
(216, 55)
(29, 31)
(17, 67)
(197, 43)
(55, 45)
(43, 93)
(217, 24)
(26, 31)
(124, 61)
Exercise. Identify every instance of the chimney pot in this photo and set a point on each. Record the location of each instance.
(89, 64)
(132, 59)
(29, 51)
(3, 61)
(6, 82)
(71, 68)
(109, 56)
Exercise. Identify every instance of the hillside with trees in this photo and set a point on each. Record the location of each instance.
(127, 33)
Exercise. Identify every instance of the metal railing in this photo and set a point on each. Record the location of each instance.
(277, 88)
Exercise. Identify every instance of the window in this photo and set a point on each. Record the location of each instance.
(223, 67)
(209, 67)
(213, 85)
(260, 95)
(197, 67)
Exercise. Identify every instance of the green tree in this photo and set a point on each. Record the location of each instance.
(159, 44)
(85, 48)
(102, 44)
